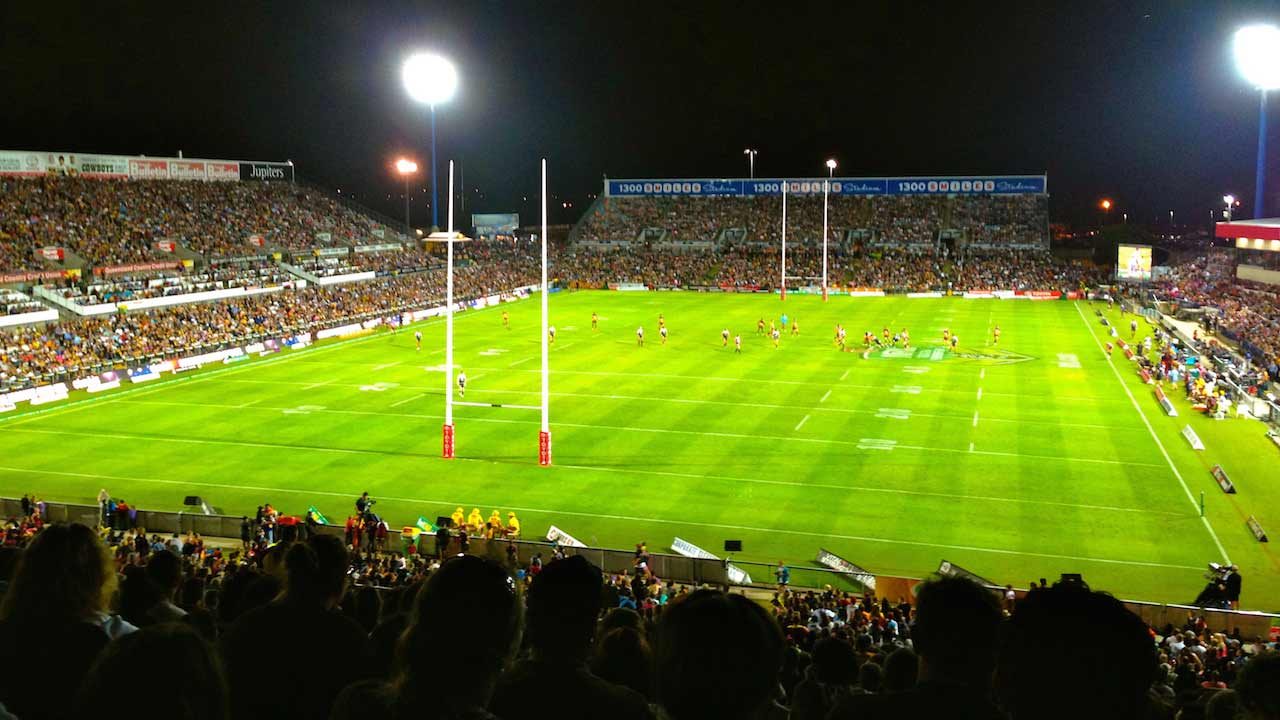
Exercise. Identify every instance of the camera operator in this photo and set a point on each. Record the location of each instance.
(364, 505)
(1231, 582)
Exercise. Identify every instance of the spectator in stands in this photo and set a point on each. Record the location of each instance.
(191, 686)
(623, 657)
(1258, 687)
(1073, 653)
(955, 632)
(464, 629)
(716, 655)
(564, 602)
(54, 622)
(328, 651)
(829, 679)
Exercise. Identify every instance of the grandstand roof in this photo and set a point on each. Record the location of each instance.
(1260, 229)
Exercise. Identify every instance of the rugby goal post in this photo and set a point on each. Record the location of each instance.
(448, 448)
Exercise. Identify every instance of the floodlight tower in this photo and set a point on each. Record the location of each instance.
(1257, 53)
(406, 167)
(826, 188)
(544, 435)
(751, 161)
(430, 79)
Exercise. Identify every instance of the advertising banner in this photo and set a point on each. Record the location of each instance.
(222, 171)
(34, 163)
(51, 253)
(490, 224)
(266, 171)
(186, 170)
(136, 267)
(858, 574)
(708, 187)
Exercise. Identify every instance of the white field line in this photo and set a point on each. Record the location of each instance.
(627, 518)
(803, 420)
(398, 403)
(505, 405)
(770, 381)
(691, 401)
(825, 395)
(979, 393)
(975, 418)
(204, 375)
(313, 386)
(844, 375)
(616, 428)
(982, 374)
(1190, 498)
(532, 357)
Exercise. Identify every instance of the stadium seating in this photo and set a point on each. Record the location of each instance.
(626, 643)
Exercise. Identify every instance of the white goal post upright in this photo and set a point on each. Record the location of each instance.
(825, 187)
(784, 239)
(448, 449)
(544, 435)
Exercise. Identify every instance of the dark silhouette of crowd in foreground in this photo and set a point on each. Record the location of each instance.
(475, 640)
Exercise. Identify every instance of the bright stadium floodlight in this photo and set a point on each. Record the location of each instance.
(406, 168)
(1257, 53)
(1230, 201)
(430, 79)
(751, 161)
(831, 167)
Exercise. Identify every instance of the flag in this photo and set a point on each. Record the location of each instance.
(319, 516)
(425, 526)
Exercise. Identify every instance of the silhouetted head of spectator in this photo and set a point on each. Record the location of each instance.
(870, 677)
(463, 631)
(1222, 705)
(1082, 649)
(564, 602)
(834, 662)
(164, 571)
(1258, 687)
(65, 575)
(955, 631)
(316, 571)
(193, 687)
(900, 670)
(621, 618)
(623, 658)
(716, 655)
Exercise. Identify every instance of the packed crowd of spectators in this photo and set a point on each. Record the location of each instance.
(33, 354)
(120, 222)
(311, 627)
(911, 221)
(1249, 312)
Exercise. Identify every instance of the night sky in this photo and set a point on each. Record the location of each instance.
(1136, 101)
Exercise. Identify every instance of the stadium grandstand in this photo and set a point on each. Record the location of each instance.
(107, 282)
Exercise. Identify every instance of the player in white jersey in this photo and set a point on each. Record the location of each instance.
(1133, 328)
(640, 336)
(663, 332)
(776, 335)
(724, 336)
(417, 337)
(955, 340)
(737, 344)
(462, 384)
(551, 334)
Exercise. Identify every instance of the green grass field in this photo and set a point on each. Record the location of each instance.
(1016, 462)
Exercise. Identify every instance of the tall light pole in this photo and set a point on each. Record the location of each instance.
(430, 79)
(826, 189)
(1229, 201)
(406, 167)
(751, 161)
(1106, 210)
(1257, 52)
